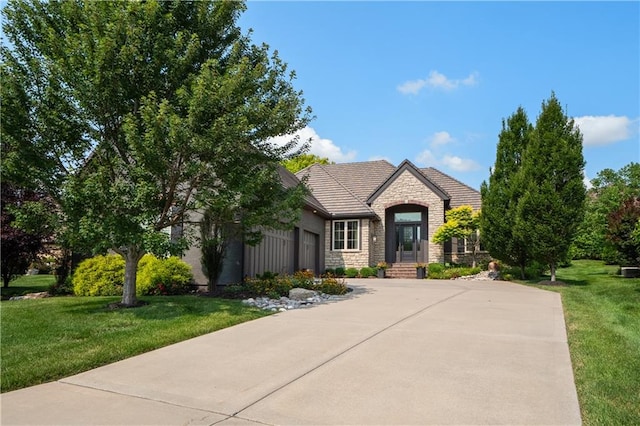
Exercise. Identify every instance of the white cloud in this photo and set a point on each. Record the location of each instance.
(318, 146)
(437, 80)
(441, 138)
(427, 158)
(460, 164)
(603, 130)
(587, 182)
(411, 87)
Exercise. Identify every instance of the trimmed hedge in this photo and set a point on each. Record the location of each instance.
(104, 276)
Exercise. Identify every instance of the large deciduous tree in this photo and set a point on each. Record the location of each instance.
(462, 223)
(134, 114)
(552, 204)
(19, 247)
(623, 230)
(501, 195)
(610, 189)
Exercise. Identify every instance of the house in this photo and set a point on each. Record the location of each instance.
(357, 215)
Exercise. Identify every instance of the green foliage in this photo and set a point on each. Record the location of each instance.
(461, 222)
(434, 269)
(332, 286)
(610, 189)
(502, 193)
(339, 271)
(104, 276)
(303, 279)
(302, 161)
(99, 276)
(275, 286)
(623, 230)
(330, 271)
(367, 272)
(173, 105)
(552, 207)
(170, 276)
(441, 272)
(351, 272)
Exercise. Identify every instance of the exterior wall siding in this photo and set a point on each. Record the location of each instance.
(408, 189)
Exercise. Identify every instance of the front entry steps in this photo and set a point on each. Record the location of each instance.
(401, 270)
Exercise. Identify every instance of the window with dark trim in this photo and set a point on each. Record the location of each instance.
(346, 235)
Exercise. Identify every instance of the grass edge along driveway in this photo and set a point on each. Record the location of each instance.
(602, 315)
(48, 339)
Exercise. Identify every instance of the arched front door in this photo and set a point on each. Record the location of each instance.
(407, 242)
(406, 229)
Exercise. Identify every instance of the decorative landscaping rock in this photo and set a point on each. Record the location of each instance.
(301, 294)
(484, 275)
(286, 304)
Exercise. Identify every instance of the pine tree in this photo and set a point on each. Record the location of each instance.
(501, 195)
(552, 206)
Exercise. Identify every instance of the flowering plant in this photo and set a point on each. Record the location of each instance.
(421, 265)
(382, 265)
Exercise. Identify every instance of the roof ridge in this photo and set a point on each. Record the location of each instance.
(429, 179)
(451, 177)
(343, 186)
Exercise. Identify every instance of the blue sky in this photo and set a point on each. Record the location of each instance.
(432, 81)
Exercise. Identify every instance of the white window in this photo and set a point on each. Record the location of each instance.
(346, 235)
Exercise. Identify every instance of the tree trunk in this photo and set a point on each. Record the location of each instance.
(523, 273)
(553, 271)
(131, 255)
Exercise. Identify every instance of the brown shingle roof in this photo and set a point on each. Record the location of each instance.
(334, 195)
(461, 194)
(343, 189)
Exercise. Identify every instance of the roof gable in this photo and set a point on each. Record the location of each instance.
(408, 166)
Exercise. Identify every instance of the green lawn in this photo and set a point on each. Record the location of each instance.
(27, 284)
(48, 339)
(602, 313)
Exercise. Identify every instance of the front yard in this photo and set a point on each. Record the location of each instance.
(47, 339)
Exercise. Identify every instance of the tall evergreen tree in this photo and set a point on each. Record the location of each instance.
(134, 114)
(552, 206)
(500, 196)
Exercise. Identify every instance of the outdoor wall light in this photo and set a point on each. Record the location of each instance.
(374, 238)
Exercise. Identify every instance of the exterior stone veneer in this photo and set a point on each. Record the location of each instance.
(348, 258)
(406, 188)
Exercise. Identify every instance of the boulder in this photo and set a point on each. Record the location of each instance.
(301, 294)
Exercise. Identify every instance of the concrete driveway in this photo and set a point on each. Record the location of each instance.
(397, 352)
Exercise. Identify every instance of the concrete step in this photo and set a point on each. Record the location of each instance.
(401, 270)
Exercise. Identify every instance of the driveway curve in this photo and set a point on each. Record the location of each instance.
(398, 352)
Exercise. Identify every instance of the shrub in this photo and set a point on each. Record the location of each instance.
(434, 270)
(339, 271)
(330, 272)
(99, 276)
(273, 286)
(367, 272)
(162, 276)
(61, 289)
(351, 272)
(332, 286)
(303, 279)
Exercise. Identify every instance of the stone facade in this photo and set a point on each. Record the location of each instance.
(407, 189)
(348, 258)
